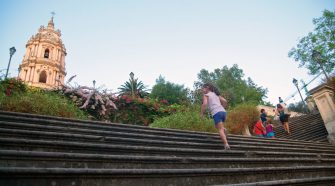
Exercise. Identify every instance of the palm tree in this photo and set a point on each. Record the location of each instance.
(133, 87)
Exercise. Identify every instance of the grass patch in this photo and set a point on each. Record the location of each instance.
(188, 120)
(37, 101)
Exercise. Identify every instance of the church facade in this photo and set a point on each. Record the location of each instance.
(43, 64)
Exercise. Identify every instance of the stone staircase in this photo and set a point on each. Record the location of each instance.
(50, 151)
(308, 127)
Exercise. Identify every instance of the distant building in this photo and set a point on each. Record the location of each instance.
(43, 64)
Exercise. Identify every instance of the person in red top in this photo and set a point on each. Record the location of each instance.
(259, 129)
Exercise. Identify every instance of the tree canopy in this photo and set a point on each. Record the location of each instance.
(231, 84)
(320, 40)
(165, 90)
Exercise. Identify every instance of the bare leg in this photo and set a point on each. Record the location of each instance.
(284, 126)
(220, 128)
(287, 127)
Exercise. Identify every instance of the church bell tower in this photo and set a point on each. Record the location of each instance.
(43, 64)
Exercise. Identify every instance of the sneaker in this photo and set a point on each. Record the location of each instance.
(226, 147)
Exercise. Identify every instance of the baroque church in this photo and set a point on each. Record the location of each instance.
(43, 64)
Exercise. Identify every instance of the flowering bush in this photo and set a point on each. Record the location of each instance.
(104, 105)
(140, 111)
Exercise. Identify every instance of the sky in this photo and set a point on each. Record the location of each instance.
(108, 39)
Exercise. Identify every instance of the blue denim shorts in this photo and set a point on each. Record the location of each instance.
(219, 117)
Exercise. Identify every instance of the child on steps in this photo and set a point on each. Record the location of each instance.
(269, 129)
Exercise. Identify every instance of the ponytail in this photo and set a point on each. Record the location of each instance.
(212, 88)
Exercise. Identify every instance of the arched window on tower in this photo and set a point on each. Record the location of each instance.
(46, 53)
(43, 77)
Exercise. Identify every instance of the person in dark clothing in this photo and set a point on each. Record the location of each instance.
(284, 115)
(263, 117)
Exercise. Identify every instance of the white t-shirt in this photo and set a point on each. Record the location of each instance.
(214, 104)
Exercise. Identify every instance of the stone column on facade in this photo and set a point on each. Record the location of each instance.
(33, 71)
(56, 78)
(51, 53)
(32, 51)
(59, 54)
(53, 77)
(54, 56)
(25, 74)
(26, 56)
(29, 73)
(324, 99)
(63, 61)
(39, 48)
(49, 77)
(36, 50)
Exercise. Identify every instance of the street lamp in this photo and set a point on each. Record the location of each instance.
(295, 82)
(132, 83)
(11, 53)
(316, 56)
(94, 84)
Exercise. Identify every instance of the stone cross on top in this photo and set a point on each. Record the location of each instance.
(53, 14)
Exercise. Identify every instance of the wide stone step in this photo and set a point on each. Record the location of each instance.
(62, 146)
(30, 134)
(78, 147)
(304, 129)
(13, 158)
(317, 132)
(309, 127)
(106, 130)
(43, 150)
(321, 181)
(57, 121)
(147, 177)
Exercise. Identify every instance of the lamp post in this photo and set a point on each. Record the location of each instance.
(11, 53)
(316, 56)
(132, 83)
(295, 82)
(94, 84)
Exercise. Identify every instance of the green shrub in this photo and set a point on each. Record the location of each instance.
(187, 120)
(40, 102)
(8, 86)
(240, 117)
(140, 111)
(244, 115)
